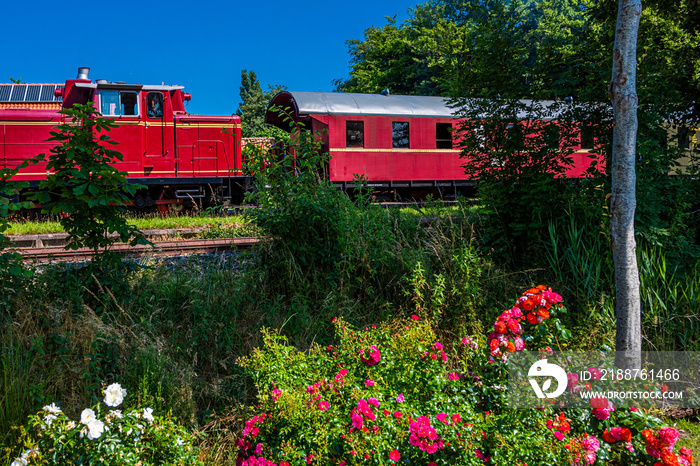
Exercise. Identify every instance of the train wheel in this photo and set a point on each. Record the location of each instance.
(170, 208)
(168, 204)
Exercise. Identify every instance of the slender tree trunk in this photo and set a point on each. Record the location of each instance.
(623, 94)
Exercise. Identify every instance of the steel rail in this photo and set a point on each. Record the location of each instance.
(161, 248)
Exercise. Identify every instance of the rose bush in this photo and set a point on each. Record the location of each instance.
(395, 394)
(132, 437)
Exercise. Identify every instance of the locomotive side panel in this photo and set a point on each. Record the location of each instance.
(186, 135)
(208, 146)
(24, 137)
(130, 143)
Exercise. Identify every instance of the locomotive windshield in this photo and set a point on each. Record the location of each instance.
(119, 103)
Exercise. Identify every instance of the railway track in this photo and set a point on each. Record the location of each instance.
(160, 248)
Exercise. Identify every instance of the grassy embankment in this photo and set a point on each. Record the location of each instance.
(234, 225)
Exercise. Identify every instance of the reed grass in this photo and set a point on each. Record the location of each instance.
(670, 303)
(670, 297)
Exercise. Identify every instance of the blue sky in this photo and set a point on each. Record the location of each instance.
(201, 45)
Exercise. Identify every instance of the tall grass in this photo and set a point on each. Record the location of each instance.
(581, 262)
(670, 303)
(15, 386)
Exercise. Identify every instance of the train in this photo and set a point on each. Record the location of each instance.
(399, 143)
(177, 156)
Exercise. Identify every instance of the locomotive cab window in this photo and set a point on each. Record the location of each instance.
(119, 103)
(399, 132)
(354, 134)
(443, 135)
(154, 102)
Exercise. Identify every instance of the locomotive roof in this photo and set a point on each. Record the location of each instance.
(123, 86)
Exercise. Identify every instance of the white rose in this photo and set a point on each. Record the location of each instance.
(87, 415)
(114, 395)
(148, 414)
(95, 429)
(52, 408)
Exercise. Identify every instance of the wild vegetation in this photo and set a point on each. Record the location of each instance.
(343, 281)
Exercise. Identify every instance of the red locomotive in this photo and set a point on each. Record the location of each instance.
(179, 157)
(398, 142)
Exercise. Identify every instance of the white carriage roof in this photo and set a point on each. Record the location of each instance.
(335, 103)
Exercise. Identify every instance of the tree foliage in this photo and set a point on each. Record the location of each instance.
(83, 186)
(253, 107)
(541, 49)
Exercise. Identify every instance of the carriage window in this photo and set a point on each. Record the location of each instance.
(480, 136)
(552, 136)
(443, 135)
(154, 100)
(354, 134)
(684, 138)
(116, 103)
(399, 131)
(586, 136)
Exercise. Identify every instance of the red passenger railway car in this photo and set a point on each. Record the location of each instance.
(178, 156)
(398, 142)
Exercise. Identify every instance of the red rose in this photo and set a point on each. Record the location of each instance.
(394, 455)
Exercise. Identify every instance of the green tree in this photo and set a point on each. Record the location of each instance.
(390, 57)
(668, 89)
(253, 107)
(471, 48)
(84, 186)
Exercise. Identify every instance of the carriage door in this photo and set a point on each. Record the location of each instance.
(155, 147)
